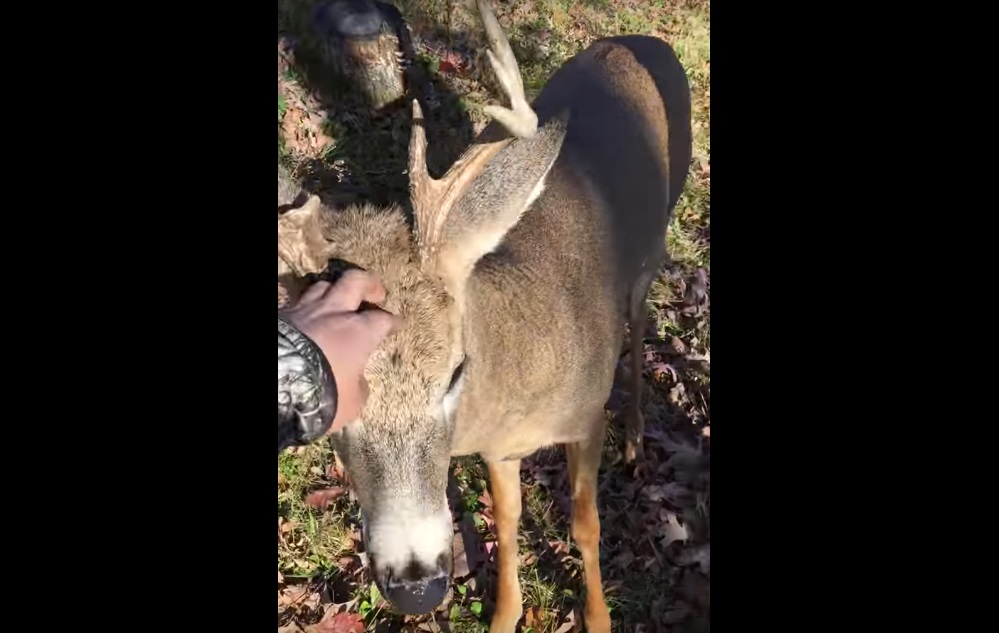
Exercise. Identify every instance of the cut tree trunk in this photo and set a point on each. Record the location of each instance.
(288, 189)
(360, 43)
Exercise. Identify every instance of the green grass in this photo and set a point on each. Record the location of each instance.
(317, 548)
(310, 542)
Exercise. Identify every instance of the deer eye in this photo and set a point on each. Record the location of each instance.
(456, 375)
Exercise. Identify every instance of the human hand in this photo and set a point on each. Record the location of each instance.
(328, 314)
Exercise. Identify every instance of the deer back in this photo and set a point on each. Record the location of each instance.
(629, 140)
(545, 307)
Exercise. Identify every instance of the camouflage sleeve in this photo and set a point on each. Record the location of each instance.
(307, 393)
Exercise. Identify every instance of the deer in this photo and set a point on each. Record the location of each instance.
(514, 281)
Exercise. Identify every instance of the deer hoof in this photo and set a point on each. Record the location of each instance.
(633, 445)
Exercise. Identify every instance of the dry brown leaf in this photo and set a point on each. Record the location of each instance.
(291, 628)
(319, 499)
(298, 596)
(339, 623)
(534, 617)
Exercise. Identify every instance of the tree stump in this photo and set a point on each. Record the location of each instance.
(359, 41)
(288, 189)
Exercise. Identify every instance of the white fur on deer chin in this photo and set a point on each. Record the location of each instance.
(451, 399)
(406, 533)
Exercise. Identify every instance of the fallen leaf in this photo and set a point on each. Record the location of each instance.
(677, 346)
(460, 558)
(298, 596)
(319, 499)
(290, 595)
(535, 616)
(486, 499)
(673, 531)
(570, 623)
(291, 628)
(624, 559)
(339, 623)
(280, 577)
(660, 370)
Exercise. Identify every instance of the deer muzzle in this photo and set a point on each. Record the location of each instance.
(410, 553)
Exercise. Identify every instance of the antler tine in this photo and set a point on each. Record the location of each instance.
(301, 244)
(520, 119)
(418, 174)
(433, 199)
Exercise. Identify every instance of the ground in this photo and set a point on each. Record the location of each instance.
(655, 545)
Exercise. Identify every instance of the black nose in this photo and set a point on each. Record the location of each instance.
(416, 597)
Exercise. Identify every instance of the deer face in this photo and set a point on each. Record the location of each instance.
(397, 453)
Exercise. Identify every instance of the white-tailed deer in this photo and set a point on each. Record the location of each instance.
(527, 258)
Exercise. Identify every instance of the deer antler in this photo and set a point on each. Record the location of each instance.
(301, 244)
(433, 198)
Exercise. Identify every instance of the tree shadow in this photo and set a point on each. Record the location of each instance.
(369, 158)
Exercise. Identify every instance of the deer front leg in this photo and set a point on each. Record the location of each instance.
(584, 462)
(504, 482)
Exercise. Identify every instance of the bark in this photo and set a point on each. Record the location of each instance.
(288, 189)
(360, 44)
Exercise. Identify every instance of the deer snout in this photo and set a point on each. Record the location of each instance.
(410, 552)
(417, 590)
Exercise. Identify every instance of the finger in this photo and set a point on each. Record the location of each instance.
(314, 292)
(354, 287)
(378, 324)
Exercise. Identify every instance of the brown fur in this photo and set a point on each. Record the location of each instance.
(532, 296)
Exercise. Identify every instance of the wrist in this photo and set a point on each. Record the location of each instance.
(312, 386)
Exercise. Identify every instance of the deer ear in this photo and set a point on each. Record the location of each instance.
(301, 245)
(496, 200)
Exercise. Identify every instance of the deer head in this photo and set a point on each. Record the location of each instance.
(397, 454)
